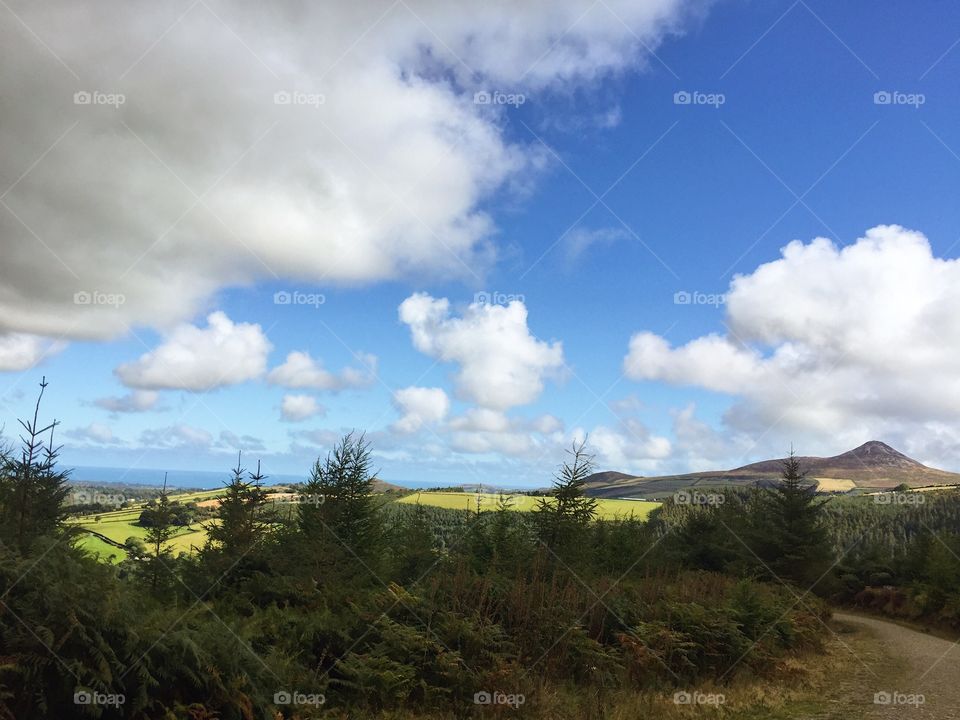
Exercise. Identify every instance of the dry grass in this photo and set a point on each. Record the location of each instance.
(834, 484)
(804, 687)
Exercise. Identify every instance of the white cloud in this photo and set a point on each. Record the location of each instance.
(199, 359)
(627, 405)
(832, 346)
(19, 351)
(231, 441)
(628, 447)
(501, 364)
(481, 420)
(547, 424)
(136, 401)
(300, 370)
(177, 436)
(483, 430)
(699, 446)
(96, 433)
(712, 361)
(420, 406)
(199, 180)
(317, 438)
(580, 240)
(295, 408)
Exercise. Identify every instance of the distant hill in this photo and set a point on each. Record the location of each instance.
(873, 465)
(380, 486)
(611, 477)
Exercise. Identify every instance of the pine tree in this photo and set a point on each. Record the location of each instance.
(240, 524)
(507, 540)
(789, 531)
(337, 508)
(560, 518)
(161, 531)
(32, 489)
(414, 547)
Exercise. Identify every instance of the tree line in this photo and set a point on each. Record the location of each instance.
(352, 606)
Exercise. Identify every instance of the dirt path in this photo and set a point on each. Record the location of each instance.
(899, 672)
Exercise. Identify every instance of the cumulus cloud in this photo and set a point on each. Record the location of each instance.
(713, 362)
(20, 351)
(483, 430)
(231, 441)
(177, 436)
(300, 370)
(840, 344)
(95, 433)
(501, 364)
(419, 406)
(317, 438)
(627, 447)
(200, 359)
(296, 408)
(134, 402)
(697, 445)
(336, 142)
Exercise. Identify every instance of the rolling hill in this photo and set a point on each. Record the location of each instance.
(873, 465)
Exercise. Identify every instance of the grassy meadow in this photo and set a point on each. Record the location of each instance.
(122, 524)
(119, 525)
(607, 509)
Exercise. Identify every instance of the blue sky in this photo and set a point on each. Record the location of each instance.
(591, 204)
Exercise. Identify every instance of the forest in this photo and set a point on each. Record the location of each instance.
(356, 607)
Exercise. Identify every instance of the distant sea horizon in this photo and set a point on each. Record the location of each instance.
(198, 479)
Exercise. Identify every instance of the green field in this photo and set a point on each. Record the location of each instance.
(121, 524)
(607, 509)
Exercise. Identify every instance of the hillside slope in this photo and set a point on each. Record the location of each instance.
(872, 465)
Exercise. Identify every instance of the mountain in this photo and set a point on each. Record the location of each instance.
(380, 486)
(872, 465)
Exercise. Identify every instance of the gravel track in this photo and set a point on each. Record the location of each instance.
(917, 673)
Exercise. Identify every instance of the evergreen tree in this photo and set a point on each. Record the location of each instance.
(560, 518)
(702, 542)
(240, 518)
(508, 539)
(337, 508)
(159, 533)
(32, 489)
(414, 545)
(790, 535)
